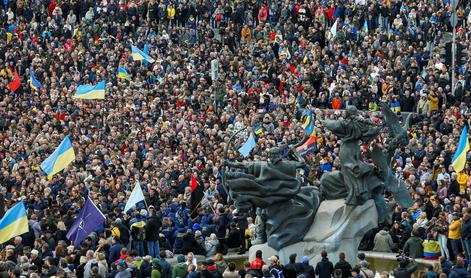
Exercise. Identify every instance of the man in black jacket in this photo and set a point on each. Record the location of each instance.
(343, 265)
(222, 223)
(403, 271)
(154, 223)
(290, 270)
(466, 234)
(209, 270)
(324, 268)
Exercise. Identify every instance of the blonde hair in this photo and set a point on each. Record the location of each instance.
(218, 257)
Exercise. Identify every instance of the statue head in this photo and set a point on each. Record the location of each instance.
(276, 153)
(351, 111)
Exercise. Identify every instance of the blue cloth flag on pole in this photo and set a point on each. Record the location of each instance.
(139, 55)
(88, 220)
(459, 158)
(365, 27)
(136, 196)
(248, 146)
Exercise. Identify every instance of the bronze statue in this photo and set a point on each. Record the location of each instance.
(290, 206)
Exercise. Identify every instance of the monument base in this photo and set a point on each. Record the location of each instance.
(336, 228)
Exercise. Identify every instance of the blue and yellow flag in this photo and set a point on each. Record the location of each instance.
(459, 158)
(139, 55)
(365, 27)
(59, 159)
(258, 130)
(91, 91)
(33, 83)
(123, 74)
(14, 223)
(309, 123)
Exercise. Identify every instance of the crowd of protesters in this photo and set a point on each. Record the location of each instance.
(221, 66)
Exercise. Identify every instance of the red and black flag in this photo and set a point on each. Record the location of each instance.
(197, 195)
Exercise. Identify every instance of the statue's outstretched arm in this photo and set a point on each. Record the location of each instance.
(235, 164)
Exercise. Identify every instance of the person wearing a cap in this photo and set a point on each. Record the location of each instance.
(156, 268)
(180, 269)
(365, 271)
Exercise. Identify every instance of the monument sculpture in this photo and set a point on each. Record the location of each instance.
(304, 219)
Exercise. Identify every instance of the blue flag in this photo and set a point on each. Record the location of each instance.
(248, 146)
(88, 220)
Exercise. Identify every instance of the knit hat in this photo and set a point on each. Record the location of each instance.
(305, 260)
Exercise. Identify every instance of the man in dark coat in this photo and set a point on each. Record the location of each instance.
(466, 233)
(115, 250)
(343, 265)
(290, 270)
(222, 223)
(153, 226)
(324, 268)
(166, 267)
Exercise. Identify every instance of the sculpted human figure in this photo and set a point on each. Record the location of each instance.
(271, 186)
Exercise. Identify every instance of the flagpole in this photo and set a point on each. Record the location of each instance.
(145, 203)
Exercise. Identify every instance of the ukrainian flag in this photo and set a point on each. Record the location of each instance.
(139, 55)
(309, 124)
(14, 223)
(459, 158)
(258, 130)
(123, 74)
(91, 92)
(365, 27)
(59, 159)
(33, 83)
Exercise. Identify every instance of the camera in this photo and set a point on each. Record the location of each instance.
(402, 258)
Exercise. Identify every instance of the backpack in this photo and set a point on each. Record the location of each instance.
(278, 272)
(141, 234)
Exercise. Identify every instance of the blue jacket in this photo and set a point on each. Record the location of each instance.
(458, 273)
(115, 252)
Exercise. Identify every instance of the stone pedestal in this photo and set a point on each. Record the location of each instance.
(336, 228)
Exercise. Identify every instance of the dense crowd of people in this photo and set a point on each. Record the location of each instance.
(221, 66)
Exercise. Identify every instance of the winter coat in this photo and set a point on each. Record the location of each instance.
(466, 229)
(153, 228)
(345, 267)
(413, 247)
(458, 272)
(211, 247)
(454, 229)
(180, 270)
(423, 107)
(324, 268)
(383, 242)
